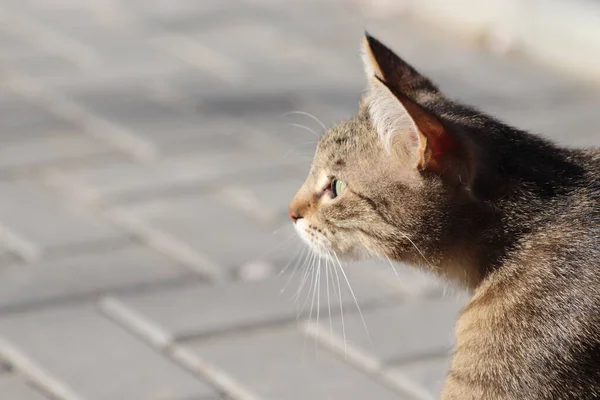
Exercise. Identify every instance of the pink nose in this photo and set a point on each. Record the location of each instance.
(293, 213)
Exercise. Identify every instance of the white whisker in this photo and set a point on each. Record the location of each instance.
(297, 258)
(355, 300)
(296, 147)
(292, 259)
(392, 266)
(308, 115)
(337, 276)
(304, 127)
(318, 303)
(415, 246)
(306, 266)
(327, 273)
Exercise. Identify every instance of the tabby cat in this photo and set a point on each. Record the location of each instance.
(419, 178)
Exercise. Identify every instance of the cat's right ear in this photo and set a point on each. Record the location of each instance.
(405, 127)
(381, 62)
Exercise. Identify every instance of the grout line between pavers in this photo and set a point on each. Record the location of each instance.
(91, 297)
(36, 373)
(267, 325)
(23, 248)
(155, 238)
(166, 243)
(138, 323)
(116, 136)
(154, 335)
(362, 361)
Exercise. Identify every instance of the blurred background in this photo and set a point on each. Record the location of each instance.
(148, 152)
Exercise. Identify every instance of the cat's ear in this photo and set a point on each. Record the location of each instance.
(381, 62)
(403, 125)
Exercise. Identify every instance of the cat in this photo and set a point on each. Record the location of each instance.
(514, 218)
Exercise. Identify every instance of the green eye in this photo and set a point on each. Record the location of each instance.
(337, 187)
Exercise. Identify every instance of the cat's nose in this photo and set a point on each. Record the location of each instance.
(294, 215)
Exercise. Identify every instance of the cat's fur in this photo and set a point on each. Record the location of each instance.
(511, 216)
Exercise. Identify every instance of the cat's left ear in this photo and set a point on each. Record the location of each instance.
(383, 63)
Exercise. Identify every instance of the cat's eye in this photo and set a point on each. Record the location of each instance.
(337, 187)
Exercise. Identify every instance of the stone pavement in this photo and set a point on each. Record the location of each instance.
(148, 151)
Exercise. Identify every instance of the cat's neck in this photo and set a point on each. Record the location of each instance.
(524, 184)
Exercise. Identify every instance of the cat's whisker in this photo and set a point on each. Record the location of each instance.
(415, 246)
(298, 256)
(284, 243)
(296, 147)
(337, 276)
(393, 268)
(318, 303)
(314, 291)
(355, 299)
(305, 275)
(327, 273)
(293, 258)
(303, 127)
(313, 276)
(314, 284)
(308, 115)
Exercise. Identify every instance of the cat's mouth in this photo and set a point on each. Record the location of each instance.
(315, 238)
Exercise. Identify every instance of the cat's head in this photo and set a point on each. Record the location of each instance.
(385, 182)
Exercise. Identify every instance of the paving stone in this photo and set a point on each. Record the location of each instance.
(125, 102)
(21, 119)
(7, 256)
(208, 309)
(14, 387)
(47, 220)
(85, 350)
(194, 170)
(15, 47)
(49, 150)
(289, 367)
(208, 224)
(90, 274)
(43, 66)
(429, 373)
(413, 329)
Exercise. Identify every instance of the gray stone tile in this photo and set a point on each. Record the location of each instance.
(47, 220)
(7, 256)
(90, 274)
(15, 47)
(208, 309)
(290, 367)
(429, 373)
(411, 330)
(206, 223)
(127, 102)
(14, 387)
(44, 67)
(21, 119)
(85, 350)
(196, 169)
(50, 149)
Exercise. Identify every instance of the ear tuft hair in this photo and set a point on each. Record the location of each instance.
(390, 118)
